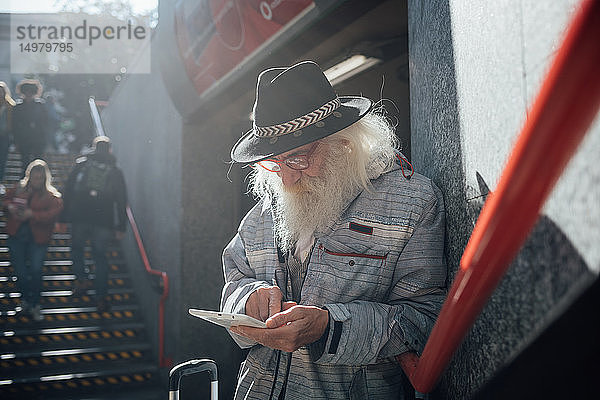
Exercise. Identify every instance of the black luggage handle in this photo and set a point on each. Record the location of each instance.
(193, 367)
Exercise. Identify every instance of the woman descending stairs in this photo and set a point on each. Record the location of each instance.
(75, 351)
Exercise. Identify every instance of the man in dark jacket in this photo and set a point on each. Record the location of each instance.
(95, 198)
(30, 121)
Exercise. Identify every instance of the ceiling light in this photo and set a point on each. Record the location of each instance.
(349, 67)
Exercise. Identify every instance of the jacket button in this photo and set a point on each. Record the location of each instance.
(351, 262)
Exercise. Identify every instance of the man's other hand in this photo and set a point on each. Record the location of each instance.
(290, 329)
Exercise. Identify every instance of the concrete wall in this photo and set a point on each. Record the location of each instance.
(211, 213)
(475, 68)
(145, 130)
(186, 208)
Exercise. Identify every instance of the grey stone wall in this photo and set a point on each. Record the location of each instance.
(186, 208)
(475, 68)
(145, 130)
(209, 200)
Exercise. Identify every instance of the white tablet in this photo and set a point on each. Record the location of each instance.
(227, 320)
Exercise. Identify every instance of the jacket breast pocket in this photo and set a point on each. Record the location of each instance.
(352, 275)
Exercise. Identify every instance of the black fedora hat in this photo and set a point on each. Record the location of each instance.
(295, 106)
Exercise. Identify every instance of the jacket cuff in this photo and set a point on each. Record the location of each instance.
(317, 348)
(325, 349)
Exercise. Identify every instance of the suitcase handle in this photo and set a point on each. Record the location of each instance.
(189, 368)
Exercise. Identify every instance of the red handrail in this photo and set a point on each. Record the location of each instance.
(163, 361)
(559, 118)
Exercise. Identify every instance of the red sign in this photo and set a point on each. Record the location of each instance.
(214, 36)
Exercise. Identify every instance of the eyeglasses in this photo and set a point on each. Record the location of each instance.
(296, 162)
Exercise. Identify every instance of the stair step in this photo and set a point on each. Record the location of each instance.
(55, 236)
(57, 293)
(76, 336)
(55, 318)
(119, 377)
(66, 299)
(62, 254)
(53, 267)
(149, 392)
(62, 245)
(51, 248)
(63, 283)
(25, 363)
(62, 277)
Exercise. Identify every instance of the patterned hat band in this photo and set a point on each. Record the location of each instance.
(298, 123)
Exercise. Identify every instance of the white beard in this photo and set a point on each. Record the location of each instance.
(313, 203)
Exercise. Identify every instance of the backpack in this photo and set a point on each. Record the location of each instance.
(93, 179)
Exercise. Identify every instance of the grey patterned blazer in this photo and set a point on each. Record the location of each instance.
(380, 272)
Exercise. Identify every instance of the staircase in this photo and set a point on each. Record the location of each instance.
(76, 352)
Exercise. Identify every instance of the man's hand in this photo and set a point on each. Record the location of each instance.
(264, 302)
(289, 330)
(119, 235)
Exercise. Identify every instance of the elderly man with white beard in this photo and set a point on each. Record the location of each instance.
(343, 254)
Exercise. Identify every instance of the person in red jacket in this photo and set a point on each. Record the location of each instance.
(33, 207)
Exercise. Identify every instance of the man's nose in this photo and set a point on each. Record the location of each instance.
(288, 176)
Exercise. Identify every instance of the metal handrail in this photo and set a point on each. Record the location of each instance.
(559, 118)
(163, 361)
(96, 117)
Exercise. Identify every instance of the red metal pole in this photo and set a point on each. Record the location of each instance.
(163, 361)
(559, 118)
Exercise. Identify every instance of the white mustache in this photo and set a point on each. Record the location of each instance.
(312, 203)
